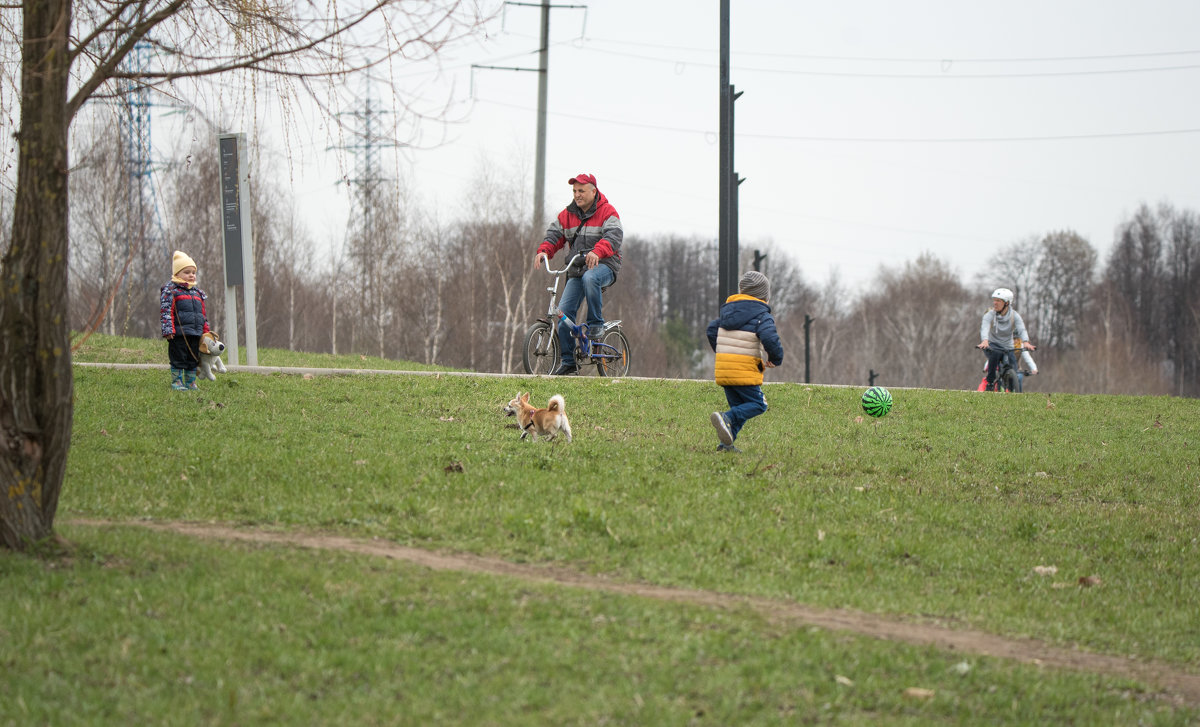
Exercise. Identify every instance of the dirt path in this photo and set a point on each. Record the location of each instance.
(1177, 686)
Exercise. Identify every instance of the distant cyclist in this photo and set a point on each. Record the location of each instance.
(999, 326)
(589, 226)
(1028, 366)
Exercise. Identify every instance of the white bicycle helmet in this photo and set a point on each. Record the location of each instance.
(1003, 294)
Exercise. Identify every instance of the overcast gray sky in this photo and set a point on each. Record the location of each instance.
(868, 132)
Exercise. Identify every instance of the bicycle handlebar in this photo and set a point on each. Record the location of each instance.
(1026, 347)
(568, 266)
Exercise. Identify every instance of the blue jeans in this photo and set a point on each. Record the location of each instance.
(745, 403)
(994, 357)
(577, 290)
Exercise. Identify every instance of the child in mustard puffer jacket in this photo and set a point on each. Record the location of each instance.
(744, 331)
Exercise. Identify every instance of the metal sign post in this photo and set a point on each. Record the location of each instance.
(238, 244)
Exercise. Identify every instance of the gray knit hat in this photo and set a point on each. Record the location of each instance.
(755, 284)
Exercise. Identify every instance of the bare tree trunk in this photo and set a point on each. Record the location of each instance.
(334, 327)
(433, 323)
(35, 362)
(514, 290)
(292, 313)
(380, 329)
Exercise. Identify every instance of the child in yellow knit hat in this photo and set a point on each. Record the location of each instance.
(184, 321)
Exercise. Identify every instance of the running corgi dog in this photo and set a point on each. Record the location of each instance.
(546, 422)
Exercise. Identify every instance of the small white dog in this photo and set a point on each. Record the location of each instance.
(211, 349)
(546, 422)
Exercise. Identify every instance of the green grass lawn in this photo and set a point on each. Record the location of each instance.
(938, 513)
(99, 348)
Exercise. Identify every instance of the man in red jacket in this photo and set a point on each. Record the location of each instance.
(589, 225)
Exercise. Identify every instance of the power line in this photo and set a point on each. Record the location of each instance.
(859, 139)
(945, 74)
(973, 140)
(895, 59)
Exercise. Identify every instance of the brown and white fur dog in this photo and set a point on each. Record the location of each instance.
(546, 422)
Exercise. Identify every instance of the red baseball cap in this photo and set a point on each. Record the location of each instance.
(583, 179)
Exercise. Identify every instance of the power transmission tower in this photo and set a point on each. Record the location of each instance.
(367, 179)
(143, 234)
(369, 185)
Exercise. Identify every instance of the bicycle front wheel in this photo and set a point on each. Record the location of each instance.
(1010, 380)
(541, 354)
(615, 361)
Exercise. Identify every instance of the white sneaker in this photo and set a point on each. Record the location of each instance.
(722, 427)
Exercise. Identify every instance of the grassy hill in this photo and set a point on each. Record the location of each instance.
(101, 348)
(1067, 523)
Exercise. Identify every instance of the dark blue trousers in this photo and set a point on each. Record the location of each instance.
(745, 403)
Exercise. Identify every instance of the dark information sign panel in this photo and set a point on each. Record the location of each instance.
(231, 210)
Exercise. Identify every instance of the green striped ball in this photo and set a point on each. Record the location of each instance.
(877, 401)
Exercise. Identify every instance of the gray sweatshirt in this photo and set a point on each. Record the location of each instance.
(998, 329)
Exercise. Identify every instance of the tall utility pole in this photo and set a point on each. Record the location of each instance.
(539, 173)
(543, 71)
(727, 254)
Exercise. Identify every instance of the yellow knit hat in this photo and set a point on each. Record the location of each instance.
(179, 261)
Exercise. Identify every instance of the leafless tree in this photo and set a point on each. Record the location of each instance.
(920, 323)
(100, 293)
(829, 334)
(1182, 297)
(1135, 274)
(75, 50)
(1065, 275)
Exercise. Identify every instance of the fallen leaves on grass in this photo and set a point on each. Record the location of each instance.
(1045, 570)
(844, 681)
(918, 693)
(454, 467)
(1089, 581)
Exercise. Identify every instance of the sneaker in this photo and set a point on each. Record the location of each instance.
(722, 426)
(567, 369)
(728, 448)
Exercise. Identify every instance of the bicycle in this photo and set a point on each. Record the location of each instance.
(541, 354)
(1008, 378)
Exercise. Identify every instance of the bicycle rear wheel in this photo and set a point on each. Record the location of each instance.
(616, 359)
(541, 354)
